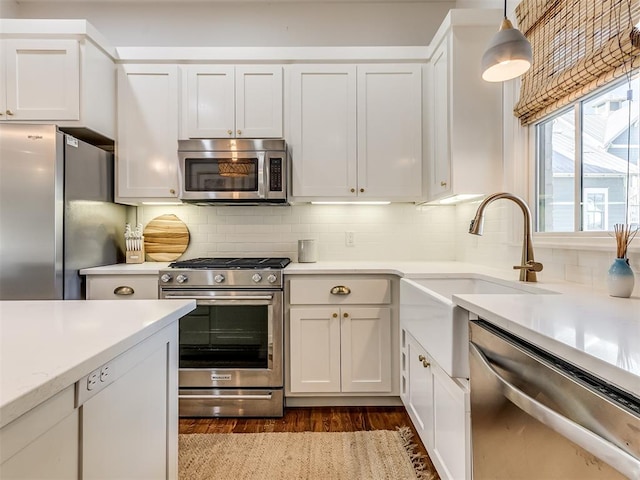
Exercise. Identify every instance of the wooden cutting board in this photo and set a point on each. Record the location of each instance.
(165, 238)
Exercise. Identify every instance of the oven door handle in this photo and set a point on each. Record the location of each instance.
(579, 435)
(229, 397)
(219, 297)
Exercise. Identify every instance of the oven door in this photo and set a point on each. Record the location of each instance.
(232, 339)
(222, 176)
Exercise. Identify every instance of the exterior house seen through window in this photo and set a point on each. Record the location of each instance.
(587, 163)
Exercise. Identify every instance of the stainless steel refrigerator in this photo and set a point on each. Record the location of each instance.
(56, 212)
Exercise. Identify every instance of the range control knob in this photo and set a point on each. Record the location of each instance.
(256, 277)
(272, 278)
(165, 278)
(218, 278)
(182, 278)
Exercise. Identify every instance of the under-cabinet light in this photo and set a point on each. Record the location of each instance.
(350, 203)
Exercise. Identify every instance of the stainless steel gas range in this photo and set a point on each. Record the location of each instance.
(231, 345)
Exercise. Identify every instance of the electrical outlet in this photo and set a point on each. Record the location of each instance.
(350, 239)
(105, 372)
(92, 380)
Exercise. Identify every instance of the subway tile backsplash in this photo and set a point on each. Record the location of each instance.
(382, 232)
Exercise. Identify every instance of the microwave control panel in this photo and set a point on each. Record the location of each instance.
(275, 174)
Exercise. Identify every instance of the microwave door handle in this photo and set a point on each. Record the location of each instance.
(579, 435)
(261, 175)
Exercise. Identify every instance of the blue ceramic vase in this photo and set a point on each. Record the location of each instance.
(620, 278)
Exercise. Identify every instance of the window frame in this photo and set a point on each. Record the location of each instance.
(579, 238)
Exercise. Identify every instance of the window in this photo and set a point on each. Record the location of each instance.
(587, 163)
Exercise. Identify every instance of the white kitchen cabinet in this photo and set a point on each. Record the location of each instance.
(439, 408)
(389, 131)
(67, 81)
(130, 414)
(340, 343)
(221, 101)
(355, 132)
(42, 443)
(340, 350)
(314, 358)
(122, 287)
(417, 387)
(451, 425)
(465, 114)
(147, 147)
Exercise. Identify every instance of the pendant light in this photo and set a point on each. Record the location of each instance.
(508, 54)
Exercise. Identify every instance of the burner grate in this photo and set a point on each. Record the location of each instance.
(232, 263)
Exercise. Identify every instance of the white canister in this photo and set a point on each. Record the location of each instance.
(307, 251)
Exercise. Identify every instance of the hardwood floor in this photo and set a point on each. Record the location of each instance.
(316, 419)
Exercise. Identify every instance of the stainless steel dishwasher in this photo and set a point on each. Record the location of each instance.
(535, 416)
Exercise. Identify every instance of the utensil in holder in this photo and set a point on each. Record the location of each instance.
(134, 243)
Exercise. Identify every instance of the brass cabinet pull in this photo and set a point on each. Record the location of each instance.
(335, 315)
(340, 290)
(172, 191)
(124, 290)
(353, 190)
(443, 183)
(345, 315)
(362, 190)
(239, 132)
(229, 132)
(423, 359)
(9, 112)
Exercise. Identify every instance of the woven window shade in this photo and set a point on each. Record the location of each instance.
(578, 45)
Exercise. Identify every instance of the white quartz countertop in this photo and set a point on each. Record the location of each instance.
(45, 346)
(146, 268)
(597, 332)
(583, 325)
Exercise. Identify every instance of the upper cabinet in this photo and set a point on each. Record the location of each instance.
(67, 81)
(355, 131)
(465, 112)
(147, 144)
(221, 101)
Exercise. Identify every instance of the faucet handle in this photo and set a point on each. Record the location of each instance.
(529, 266)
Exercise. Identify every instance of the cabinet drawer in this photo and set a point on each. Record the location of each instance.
(317, 291)
(103, 287)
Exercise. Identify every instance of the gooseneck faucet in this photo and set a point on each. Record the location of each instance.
(528, 267)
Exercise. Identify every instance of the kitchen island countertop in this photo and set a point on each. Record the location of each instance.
(46, 346)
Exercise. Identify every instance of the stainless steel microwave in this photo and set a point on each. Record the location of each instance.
(233, 171)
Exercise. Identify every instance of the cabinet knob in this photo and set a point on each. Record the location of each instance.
(443, 183)
(423, 359)
(172, 191)
(362, 190)
(239, 132)
(353, 190)
(229, 132)
(345, 315)
(340, 290)
(335, 315)
(123, 290)
(9, 112)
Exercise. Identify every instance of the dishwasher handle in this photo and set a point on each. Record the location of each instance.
(601, 448)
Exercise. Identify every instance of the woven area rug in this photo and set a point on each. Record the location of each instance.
(371, 455)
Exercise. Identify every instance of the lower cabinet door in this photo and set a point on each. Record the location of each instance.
(43, 443)
(451, 425)
(315, 349)
(366, 349)
(125, 427)
(419, 394)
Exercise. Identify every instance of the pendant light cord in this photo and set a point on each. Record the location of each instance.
(505, 8)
